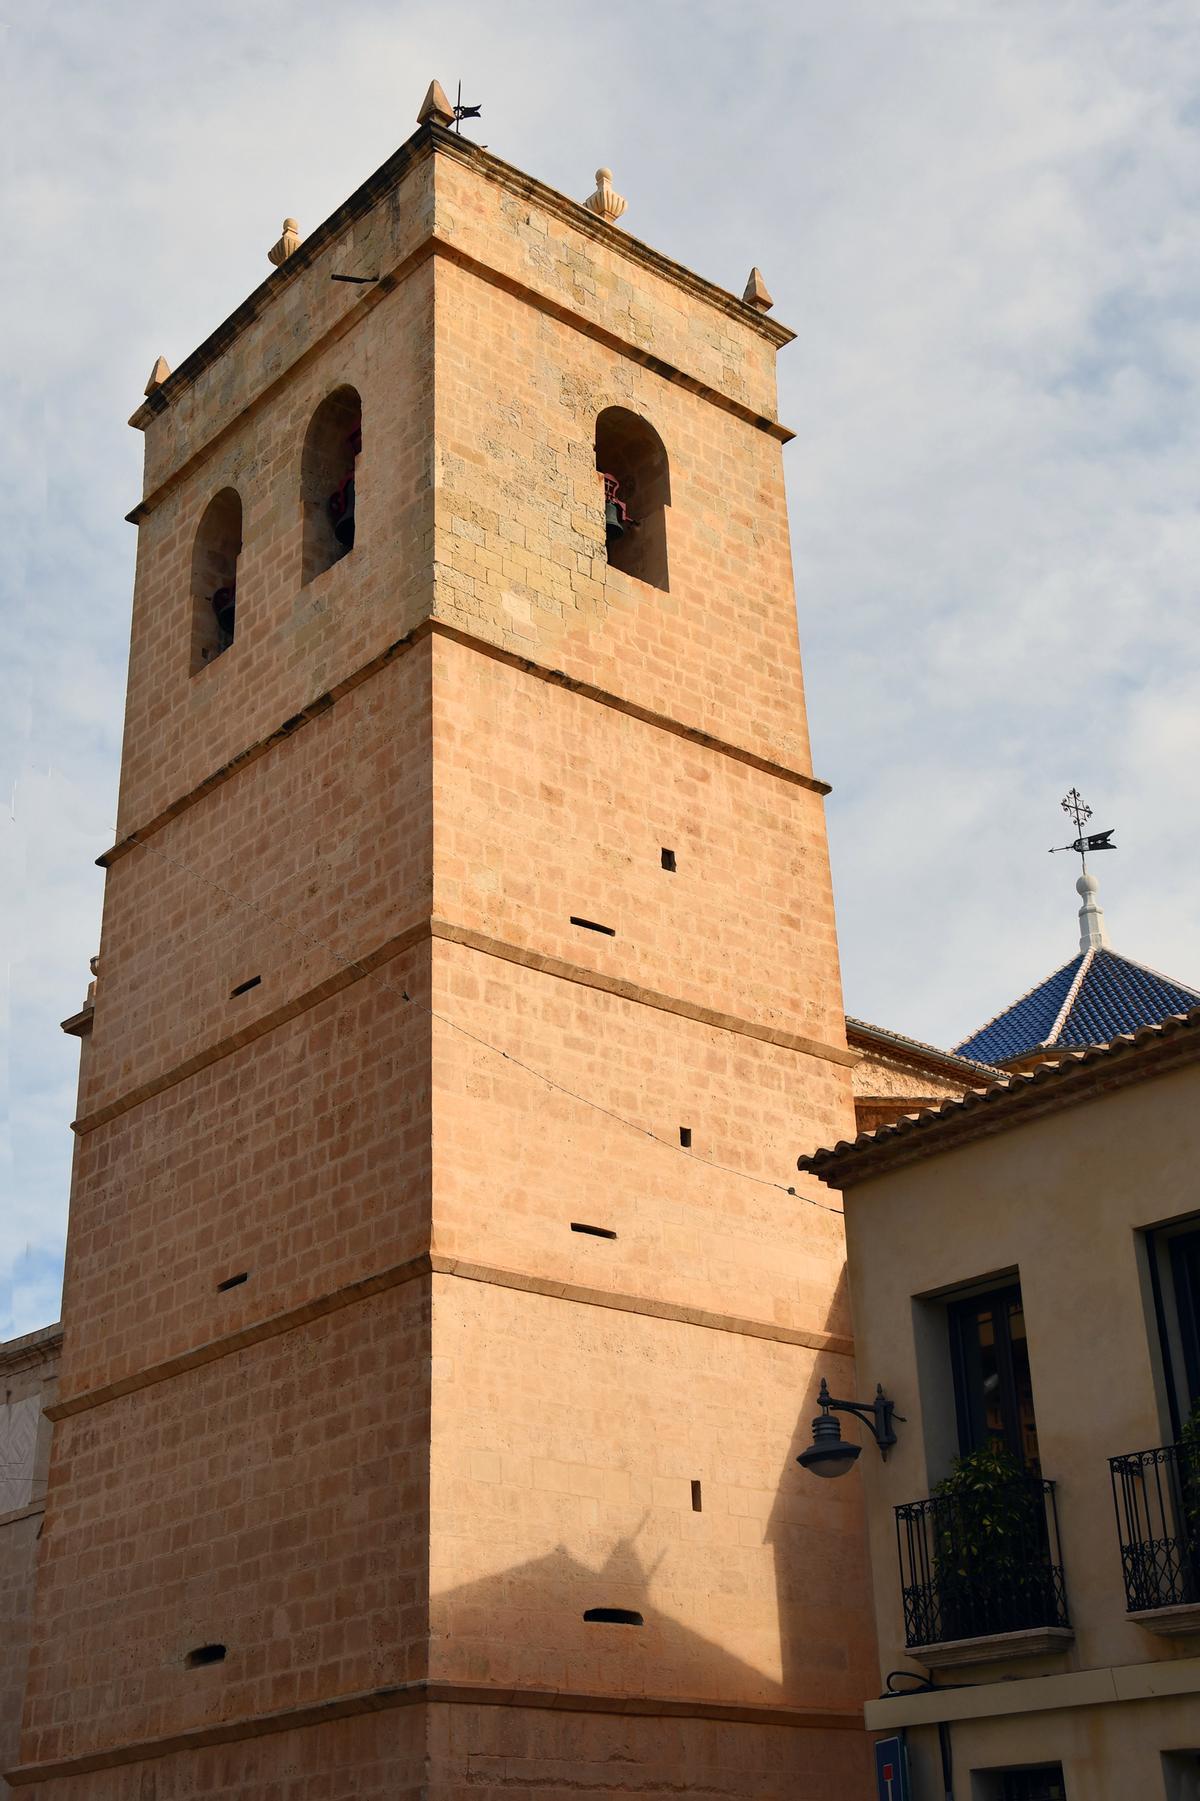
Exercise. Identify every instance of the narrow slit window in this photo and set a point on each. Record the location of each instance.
(591, 1231)
(233, 1281)
(205, 1654)
(244, 987)
(590, 925)
(668, 859)
(685, 1137)
(613, 1616)
(697, 1498)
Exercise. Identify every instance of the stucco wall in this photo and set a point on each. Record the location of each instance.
(1058, 1202)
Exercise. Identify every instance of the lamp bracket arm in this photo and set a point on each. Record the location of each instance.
(878, 1415)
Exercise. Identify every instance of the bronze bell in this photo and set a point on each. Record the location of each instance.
(224, 606)
(341, 511)
(614, 526)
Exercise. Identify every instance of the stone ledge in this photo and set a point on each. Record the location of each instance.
(1171, 1622)
(1050, 1691)
(432, 627)
(998, 1647)
(624, 990)
(434, 1263)
(422, 931)
(425, 141)
(428, 1693)
(31, 1510)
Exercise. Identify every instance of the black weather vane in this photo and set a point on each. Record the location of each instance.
(1077, 809)
(462, 112)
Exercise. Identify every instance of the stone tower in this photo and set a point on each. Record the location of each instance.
(440, 1325)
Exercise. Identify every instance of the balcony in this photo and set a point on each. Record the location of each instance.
(1157, 1498)
(981, 1575)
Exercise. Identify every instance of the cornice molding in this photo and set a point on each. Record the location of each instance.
(437, 1263)
(439, 628)
(1076, 1078)
(433, 1693)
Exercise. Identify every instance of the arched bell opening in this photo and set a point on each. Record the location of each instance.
(214, 578)
(631, 461)
(331, 451)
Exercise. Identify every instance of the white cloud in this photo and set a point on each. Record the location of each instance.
(982, 219)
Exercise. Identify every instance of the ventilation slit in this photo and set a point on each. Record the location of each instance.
(613, 1616)
(244, 987)
(697, 1503)
(668, 859)
(592, 1231)
(589, 925)
(685, 1137)
(205, 1654)
(233, 1281)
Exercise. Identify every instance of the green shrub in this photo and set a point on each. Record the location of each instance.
(991, 1565)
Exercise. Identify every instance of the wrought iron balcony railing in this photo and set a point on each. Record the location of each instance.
(1157, 1498)
(979, 1565)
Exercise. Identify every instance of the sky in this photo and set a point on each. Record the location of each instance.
(982, 218)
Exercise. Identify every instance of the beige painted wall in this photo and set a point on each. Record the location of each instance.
(1059, 1202)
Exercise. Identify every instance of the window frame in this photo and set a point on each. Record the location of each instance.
(958, 1310)
(1169, 1248)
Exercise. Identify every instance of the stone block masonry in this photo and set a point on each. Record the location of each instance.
(477, 893)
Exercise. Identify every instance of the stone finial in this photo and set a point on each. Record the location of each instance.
(435, 108)
(756, 294)
(289, 242)
(1092, 935)
(605, 203)
(158, 374)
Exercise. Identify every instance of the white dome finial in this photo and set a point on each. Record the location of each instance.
(1092, 935)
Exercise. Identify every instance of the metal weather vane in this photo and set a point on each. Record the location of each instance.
(1077, 809)
(462, 112)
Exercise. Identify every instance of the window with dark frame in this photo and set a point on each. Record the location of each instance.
(993, 1390)
(1173, 1254)
(1185, 1269)
(1042, 1783)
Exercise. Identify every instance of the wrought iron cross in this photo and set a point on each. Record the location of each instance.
(1077, 809)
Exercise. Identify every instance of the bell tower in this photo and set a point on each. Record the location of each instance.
(441, 1319)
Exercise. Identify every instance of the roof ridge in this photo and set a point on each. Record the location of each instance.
(1013, 1005)
(1088, 958)
(903, 1039)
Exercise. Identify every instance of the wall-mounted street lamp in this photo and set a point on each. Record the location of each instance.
(829, 1453)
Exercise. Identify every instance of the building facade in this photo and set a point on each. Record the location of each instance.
(1025, 1278)
(28, 1385)
(441, 1311)
(895, 1075)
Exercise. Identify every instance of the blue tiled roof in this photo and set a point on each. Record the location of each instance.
(1091, 1000)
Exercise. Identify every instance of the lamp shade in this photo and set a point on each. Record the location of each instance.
(829, 1460)
(829, 1454)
